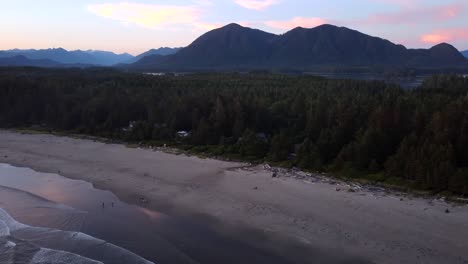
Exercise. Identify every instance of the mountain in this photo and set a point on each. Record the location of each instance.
(23, 61)
(442, 54)
(63, 56)
(164, 51)
(465, 53)
(147, 62)
(331, 45)
(226, 47)
(234, 47)
(108, 58)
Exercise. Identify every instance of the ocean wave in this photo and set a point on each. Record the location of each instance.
(58, 246)
(22, 252)
(49, 256)
(4, 229)
(9, 222)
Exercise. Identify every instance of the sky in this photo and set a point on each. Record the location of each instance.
(135, 26)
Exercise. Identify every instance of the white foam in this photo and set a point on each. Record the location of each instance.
(11, 223)
(82, 236)
(108, 247)
(67, 239)
(10, 244)
(4, 230)
(49, 256)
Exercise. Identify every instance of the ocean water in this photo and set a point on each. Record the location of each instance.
(406, 83)
(50, 231)
(21, 243)
(46, 218)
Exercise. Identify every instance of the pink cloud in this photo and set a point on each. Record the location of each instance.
(245, 23)
(416, 15)
(435, 38)
(296, 22)
(146, 15)
(150, 16)
(445, 35)
(255, 4)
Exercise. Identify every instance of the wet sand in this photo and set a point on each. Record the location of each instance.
(383, 228)
(71, 216)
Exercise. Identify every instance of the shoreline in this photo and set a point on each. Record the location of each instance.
(385, 228)
(403, 190)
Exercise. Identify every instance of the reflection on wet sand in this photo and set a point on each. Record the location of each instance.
(71, 216)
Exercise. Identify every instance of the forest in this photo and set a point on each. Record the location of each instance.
(359, 129)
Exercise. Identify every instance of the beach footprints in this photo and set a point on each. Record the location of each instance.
(109, 205)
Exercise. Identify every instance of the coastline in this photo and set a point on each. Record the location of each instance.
(359, 182)
(382, 227)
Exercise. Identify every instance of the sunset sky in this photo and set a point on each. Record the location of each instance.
(136, 26)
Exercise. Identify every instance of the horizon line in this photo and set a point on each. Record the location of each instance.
(135, 54)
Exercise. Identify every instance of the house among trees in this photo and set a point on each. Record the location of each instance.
(131, 125)
(182, 134)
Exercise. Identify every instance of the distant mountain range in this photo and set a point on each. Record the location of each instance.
(61, 57)
(234, 47)
(465, 53)
(20, 60)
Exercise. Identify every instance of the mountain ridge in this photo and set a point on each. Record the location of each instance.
(163, 51)
(63, 56)
(80, 58)
(234, 47)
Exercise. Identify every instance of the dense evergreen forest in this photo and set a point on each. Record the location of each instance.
(353, 128)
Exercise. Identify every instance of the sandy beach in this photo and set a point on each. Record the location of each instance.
(309, 211)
